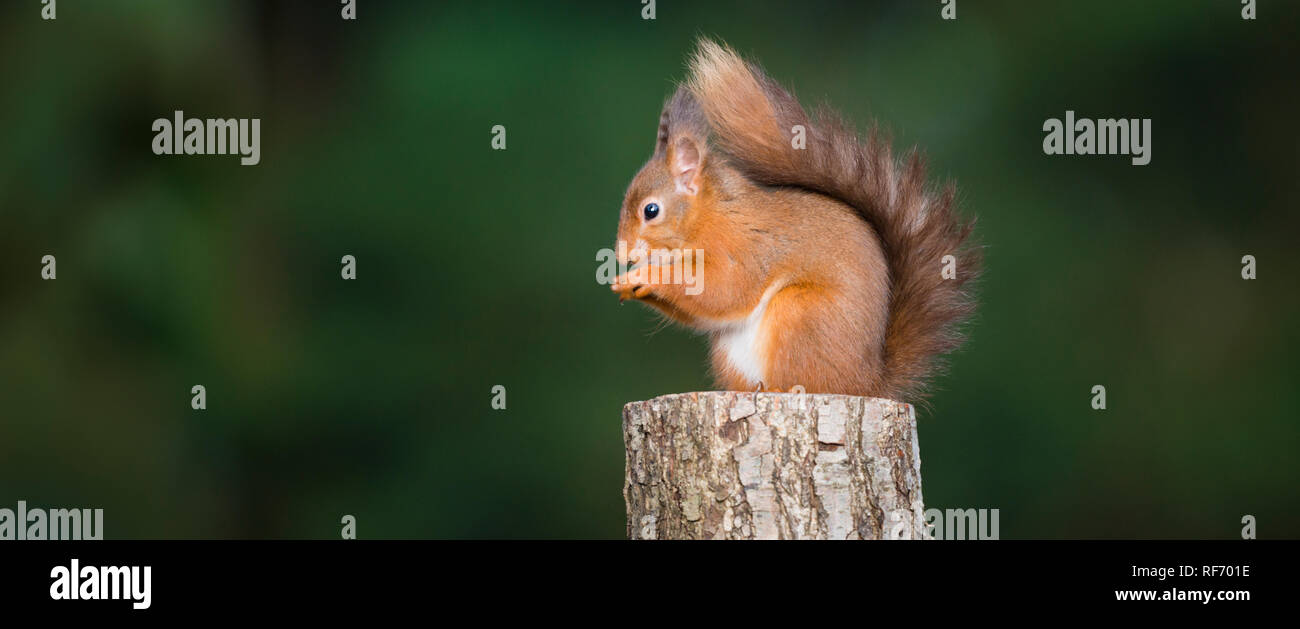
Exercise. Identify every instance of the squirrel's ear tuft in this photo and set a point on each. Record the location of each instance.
(682, 144)
(685, 160)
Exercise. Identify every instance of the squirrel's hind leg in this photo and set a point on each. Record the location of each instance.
(808, 344)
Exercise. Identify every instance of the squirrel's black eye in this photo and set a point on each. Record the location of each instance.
(651, 211)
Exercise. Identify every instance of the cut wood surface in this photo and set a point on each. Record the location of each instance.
(731, 465)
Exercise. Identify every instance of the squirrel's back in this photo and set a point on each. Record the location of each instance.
(752, 120)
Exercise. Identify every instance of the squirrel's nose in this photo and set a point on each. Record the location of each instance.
(626, 252)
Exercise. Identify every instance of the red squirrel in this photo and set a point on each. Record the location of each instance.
(825, 259)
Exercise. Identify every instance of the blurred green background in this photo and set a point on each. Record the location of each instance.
(477, 267)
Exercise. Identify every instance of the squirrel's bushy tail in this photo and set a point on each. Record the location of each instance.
(752, 119)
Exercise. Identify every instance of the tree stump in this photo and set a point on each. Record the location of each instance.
(728, 465)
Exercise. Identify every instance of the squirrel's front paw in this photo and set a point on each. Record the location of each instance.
(634, 284)
(630, 291)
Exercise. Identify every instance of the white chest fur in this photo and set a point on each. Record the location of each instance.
(742, 341)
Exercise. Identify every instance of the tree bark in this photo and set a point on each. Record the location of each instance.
(728, 465)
